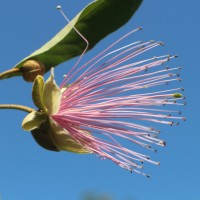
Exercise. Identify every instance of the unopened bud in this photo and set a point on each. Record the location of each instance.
(31, 69)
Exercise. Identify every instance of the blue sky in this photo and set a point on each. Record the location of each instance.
(29, 172)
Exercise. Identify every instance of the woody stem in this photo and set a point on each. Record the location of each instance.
(9, 72)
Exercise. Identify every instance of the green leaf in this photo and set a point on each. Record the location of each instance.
(37, 92)
(95, 22)
(33, 120)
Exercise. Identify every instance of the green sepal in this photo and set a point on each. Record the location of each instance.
(43, 138)
(51, 136)
(37, 92)
(33, 120)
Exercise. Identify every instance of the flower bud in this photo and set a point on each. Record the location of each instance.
(31, 69)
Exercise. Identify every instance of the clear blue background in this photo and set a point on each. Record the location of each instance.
(29, 172)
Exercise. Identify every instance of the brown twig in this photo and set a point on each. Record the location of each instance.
(9, 72)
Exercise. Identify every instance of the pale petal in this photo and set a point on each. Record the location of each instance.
(63, 141)
(33, 120)
(64, 88)
(52, 95)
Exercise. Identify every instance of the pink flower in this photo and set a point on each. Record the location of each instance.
(107, 104)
